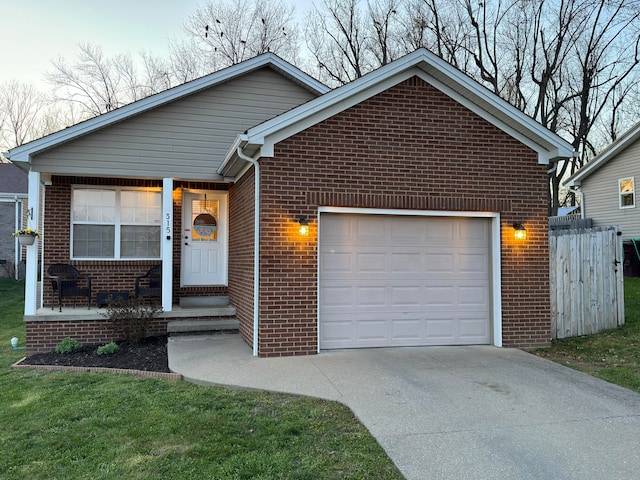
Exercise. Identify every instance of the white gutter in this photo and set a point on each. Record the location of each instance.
(256, 247)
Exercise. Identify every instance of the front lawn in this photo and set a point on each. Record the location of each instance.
(103, 426)
(613, 355)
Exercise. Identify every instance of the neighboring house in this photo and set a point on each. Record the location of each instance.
(13, 199)
(407, 181)
(606, 186)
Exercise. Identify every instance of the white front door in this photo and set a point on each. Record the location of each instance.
(204, 238)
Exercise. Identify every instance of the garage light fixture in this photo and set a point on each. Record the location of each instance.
(519, 232)
(304, 227)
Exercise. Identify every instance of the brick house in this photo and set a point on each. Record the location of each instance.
(380, 213)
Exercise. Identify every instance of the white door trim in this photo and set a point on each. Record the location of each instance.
(495, 273)
(223, 231)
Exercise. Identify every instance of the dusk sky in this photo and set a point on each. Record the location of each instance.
(35, 32)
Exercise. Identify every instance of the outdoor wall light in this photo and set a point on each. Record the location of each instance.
(304, 227)
(519, 232)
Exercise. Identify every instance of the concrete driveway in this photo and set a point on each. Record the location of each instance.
(450, 412)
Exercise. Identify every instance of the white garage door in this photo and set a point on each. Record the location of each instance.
(403, 281)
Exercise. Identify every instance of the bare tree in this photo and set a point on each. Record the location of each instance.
(336, 36)
(24, 114)
(96, 83)
(228, 32)
(385, 44)
(561, 61)
(438, 26)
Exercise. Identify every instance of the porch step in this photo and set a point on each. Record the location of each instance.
(196, 326)
(209, 301)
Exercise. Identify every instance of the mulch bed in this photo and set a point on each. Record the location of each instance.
(150, 355)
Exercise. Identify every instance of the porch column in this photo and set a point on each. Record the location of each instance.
(31, 275)
(167, 244)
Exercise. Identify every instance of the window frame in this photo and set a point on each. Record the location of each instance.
(117, 223)
(632, 192)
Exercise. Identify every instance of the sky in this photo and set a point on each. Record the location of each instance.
(36, 32)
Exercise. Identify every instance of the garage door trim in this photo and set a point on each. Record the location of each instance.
(495, 266)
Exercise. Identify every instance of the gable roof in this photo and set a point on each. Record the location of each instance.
(626, 140)
(260, 140)
(24, 152)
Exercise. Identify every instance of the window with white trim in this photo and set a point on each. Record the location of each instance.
(626, 189)
(116, 223)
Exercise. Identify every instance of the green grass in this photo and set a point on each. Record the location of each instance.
(613, 355)
(103, 426)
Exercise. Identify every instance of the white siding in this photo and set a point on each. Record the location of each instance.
(601, 193)
(184, 139)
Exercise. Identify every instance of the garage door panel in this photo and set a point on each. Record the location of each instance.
(407, 262)
(472, 263)
(332, 261)
(440, 330)
(338, 334)
(406, 296)
(438, 262)
(435, 295)
(473, 232)
(403, 281)
(474, 296)
(338, 296)
(371, 263)
(365, 229)
(371, 296)
(473, 329)
(440, 231)
(404, 330)
(372, 330)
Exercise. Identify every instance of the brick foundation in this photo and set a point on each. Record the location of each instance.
(43, 336)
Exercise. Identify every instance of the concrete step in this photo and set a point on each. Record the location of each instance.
(208, 301)
(202, 326)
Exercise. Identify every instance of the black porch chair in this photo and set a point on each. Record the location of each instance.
(149, 284)
(66, 282)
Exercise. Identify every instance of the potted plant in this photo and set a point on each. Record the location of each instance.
(26, 236)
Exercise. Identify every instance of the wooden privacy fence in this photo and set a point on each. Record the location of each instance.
(587, 294)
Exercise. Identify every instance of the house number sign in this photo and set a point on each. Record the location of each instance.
(167, 223)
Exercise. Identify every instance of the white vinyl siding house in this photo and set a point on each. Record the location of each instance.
(607, 198)
(190, 135)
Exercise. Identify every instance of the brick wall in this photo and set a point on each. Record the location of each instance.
(410, 147)
(43, 336)
(241, 253)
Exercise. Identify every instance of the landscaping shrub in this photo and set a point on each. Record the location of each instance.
(108, 349)
(68, 345)
(131, 318)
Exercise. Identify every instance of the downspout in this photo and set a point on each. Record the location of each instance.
(256, 247)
